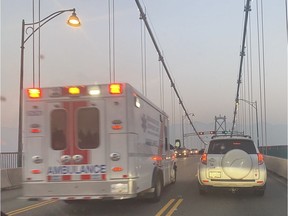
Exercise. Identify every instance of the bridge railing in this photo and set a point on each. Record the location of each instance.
(8, 160)
(279, 151)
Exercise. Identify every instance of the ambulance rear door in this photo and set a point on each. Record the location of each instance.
(76, 140)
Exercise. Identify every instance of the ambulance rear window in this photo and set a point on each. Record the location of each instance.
(88, 128)
(58, 129)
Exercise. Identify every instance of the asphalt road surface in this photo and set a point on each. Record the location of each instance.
(181, 199)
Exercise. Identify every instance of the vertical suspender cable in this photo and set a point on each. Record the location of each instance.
(145, 61)
(113, 36)
(160, 79)
(109, 38)
(143, 58)
(260, 74)
(251, 79)
(286, 13)
(173, 112)
(33, 44)
(39, 45)
(264, 76)
(142, 63)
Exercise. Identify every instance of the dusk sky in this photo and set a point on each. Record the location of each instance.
(200, 41)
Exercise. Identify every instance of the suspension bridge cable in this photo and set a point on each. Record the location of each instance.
(142, 56)
(113, 38)
(143, 16)
(264, 75)
(109, 42)
(39, 45)
(242, 54)
(33, 43)
(286, 13)
(251, 78)
(260, 74)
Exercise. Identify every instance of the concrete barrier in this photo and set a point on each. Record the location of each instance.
(11, 178)
(276, 165)
(5, 181)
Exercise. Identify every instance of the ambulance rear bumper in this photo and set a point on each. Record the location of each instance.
(84, 190)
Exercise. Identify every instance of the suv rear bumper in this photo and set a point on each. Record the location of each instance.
(229, 184)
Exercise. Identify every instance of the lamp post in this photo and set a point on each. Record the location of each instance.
(254, 105)
(72, 21)
(183, 135)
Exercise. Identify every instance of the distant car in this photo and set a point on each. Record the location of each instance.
(232, 163)
(194, 151)
(181, 152)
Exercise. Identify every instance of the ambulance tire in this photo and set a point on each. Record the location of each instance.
(158, 186)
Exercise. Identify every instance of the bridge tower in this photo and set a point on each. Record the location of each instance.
(220, 124)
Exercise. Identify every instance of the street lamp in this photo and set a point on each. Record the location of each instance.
(254, 105)
(183, 126)
(72, 21)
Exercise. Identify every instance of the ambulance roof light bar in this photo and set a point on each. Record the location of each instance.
(34, 93)
(115, 88)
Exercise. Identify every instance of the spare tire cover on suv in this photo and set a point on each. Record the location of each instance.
(236, 164)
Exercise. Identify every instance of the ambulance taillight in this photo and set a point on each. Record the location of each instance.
(34, 93)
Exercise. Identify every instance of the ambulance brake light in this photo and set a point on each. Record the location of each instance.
(115, 88)
(34, 93)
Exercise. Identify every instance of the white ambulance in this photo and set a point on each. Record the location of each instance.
(94, 142)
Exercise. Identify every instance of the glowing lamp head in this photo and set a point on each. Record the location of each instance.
(73, 20)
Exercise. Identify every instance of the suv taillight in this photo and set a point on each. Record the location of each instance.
(260, 158)
(204, 159)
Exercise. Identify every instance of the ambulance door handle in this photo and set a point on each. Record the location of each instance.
(77, 158)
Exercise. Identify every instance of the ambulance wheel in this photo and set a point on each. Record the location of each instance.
(158, 186)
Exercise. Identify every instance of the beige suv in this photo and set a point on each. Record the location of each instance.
(232, 162)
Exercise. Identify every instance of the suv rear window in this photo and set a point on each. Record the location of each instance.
(223, 146)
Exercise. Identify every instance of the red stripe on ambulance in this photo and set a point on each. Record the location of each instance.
(72, 133)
